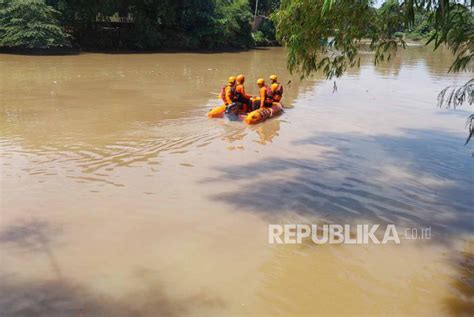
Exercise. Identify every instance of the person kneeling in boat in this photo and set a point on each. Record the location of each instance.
(277, 88)
(228, 94)
(265, 94)
(241, 98)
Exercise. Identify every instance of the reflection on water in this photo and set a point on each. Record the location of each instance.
(266, 132)
(119, 197)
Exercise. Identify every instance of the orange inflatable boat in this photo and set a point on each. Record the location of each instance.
(263, 114)
(253, 117)
(217, 112)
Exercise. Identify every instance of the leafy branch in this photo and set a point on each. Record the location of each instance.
(455, 96)
(325, 35)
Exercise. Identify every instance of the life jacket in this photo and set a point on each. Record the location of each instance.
(238, 95)
(268, 95)
(279, 90)
(223, 93)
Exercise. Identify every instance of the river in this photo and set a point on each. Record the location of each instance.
(119, 197)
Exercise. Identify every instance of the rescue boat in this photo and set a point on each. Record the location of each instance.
(217, 112)
(253, 117)
(263, 114)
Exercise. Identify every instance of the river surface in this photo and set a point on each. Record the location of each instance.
(119, 197)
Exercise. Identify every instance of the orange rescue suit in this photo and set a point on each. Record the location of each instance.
(266, 96)
(242, 97)
(277, 90)
(241, 94)
(228, 94)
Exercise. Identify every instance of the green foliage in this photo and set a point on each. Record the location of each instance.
(422, 29)
(265, 7)
(390, 18)
(322, 37)
(268, 29)
(414, 36)
(264, 35)
(155, 24)
(233, 26)
(398, 35)
(30, 24)
(455, 28)
(455, 96)
(325, 35)
(260, 39)
(170, 24)
(394, 23)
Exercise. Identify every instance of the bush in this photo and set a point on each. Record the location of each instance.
(232, 28)
(30, 24)
(155, 24)
(414, 36)
(268, 29)
(399, 35)
(260, 39)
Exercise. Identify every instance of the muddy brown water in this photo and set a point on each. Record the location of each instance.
(120, 198)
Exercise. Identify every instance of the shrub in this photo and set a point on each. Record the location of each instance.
(414, 36)
(259, 38)
(268, 29)
(399, 35)
(30, 24)
(232, 28)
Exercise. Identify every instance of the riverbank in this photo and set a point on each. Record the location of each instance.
(40, 51)
(76, 51)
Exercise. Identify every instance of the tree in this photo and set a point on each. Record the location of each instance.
(30, 24)
(233, 23)
(264, 7)
(391, 16)
(325, 35)
(155, 24)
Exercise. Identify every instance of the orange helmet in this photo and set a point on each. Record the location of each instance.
(231, 80)
(273, 78)
(260, 82)
(240, 78)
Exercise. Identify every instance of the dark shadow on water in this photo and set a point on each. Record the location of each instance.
(19, 298)
(33, 236)
(30, 235)
(420, 178)
(62, 297)
(461, 303)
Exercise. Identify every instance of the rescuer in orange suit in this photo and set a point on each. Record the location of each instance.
(241, 96)
(265, 94)
(276, 87)
(228, 91)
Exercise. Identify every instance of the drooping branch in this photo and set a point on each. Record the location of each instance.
(314, 30)
(470, 127)
(455, 96)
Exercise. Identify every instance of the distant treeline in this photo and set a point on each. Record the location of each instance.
(158, 24)
(134, 24)
(392, 13)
